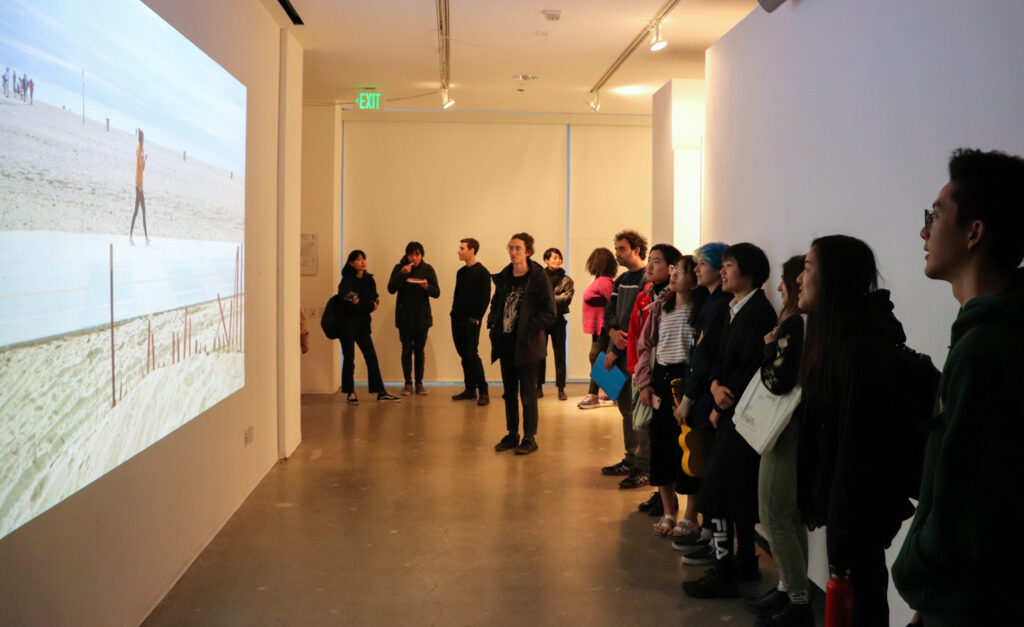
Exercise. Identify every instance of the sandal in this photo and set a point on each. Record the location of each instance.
(663, 526)
(683, 529)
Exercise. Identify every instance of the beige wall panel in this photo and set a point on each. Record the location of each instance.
(437, 183)
(610, 190)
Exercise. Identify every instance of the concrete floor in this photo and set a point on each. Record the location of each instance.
(403, 514)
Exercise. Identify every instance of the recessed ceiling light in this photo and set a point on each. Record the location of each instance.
(525, 77)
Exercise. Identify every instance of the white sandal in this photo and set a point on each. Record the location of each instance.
(663, 526)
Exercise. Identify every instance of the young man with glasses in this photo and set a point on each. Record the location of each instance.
(970, 496)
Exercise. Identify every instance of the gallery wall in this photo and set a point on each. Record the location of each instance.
(571, 182)
(839, 117)
(109, 553)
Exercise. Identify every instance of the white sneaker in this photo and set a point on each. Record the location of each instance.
(589, 402)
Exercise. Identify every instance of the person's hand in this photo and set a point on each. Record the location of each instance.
(609, 361)
(376, 304)
(680, 414)
(723, 395)
(768, 339)
(474, 321)
(647, 396)
(425, 285)
(618, 338)
(714, 418)
(407, 268)
(355, 301)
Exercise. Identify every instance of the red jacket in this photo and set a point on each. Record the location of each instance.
(636, 324)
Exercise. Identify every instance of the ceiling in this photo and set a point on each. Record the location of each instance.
(391, 45)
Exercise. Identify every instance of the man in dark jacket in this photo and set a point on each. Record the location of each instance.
(970, 495)
(522, 308)
(472, 293)
(415, 282)
(630, 251)
(562, 285)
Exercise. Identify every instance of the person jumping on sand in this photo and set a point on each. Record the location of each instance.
(140, 199)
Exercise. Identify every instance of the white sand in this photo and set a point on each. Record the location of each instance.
(60, 432)
(56, 175)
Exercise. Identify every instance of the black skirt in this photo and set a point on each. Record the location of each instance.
(666, 456)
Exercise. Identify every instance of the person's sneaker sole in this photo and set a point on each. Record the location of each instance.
(699, 558)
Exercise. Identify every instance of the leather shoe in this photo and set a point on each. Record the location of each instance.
(484, 399)
(466, 395)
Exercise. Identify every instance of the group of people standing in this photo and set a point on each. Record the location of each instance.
(693, 332)
(862, 442)
(24, 87)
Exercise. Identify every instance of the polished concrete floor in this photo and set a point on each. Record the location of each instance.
(403, 514)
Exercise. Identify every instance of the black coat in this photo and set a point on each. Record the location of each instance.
(847, 449)
(711, 317)
(536, 314)
(563, 287)
(729, 486)
(356, 317)
(412, 307)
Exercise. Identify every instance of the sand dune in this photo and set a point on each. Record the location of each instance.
(56, 175)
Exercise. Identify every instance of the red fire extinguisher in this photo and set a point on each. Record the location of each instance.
(839, 601)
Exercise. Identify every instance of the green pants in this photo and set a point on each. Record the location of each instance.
(777, 507)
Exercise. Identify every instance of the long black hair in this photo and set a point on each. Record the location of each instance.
(791, 269)
(847, 271)
(352, 256)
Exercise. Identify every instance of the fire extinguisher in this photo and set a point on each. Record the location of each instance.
(839, 600)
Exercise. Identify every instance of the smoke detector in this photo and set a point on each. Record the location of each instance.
(552, 15)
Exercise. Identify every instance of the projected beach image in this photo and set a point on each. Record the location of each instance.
(122, 216)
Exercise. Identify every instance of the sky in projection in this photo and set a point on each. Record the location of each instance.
(139, 73)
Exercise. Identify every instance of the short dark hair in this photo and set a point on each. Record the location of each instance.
(413, 247)
(527, 240)
(548, 253)
(989, 186)
(601, 262)
(635, 241)
(752, 261)
(471, 242)
(669, 252)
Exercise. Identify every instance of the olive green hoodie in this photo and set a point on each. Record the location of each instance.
(961, 561)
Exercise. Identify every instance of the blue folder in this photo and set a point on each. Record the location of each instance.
(611, 381)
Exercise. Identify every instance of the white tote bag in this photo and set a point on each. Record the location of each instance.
(762, 416)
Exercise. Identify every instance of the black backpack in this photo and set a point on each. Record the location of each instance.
(330, 321)
(919, 382)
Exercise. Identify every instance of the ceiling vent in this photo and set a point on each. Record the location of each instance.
(552, 15)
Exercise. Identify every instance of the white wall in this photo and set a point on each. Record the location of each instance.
(838, 117)
(109, 553)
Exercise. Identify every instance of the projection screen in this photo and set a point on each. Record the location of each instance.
(122, 229)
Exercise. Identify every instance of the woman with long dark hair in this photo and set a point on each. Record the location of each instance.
(415, 282)
(789, 603)
(847, 452)
(359, 299)
(522, 309)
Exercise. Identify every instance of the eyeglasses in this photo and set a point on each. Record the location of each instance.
(929, 217)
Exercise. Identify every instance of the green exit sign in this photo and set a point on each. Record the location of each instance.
(368, 100)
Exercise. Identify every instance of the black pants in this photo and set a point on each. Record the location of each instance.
(870, 579)
(663, 429)
(467, 341)
(557, 335)
(140, 199)
(361, 337)
(598, 345)
(413, 342)
(520, 381)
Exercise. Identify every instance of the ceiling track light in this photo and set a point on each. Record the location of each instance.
(633, 45)
(444, 51)
(657, 43)
(594, 102)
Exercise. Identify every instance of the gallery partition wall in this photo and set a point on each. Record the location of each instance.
(436, 178)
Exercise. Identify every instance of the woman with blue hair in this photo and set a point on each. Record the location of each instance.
(710, 312)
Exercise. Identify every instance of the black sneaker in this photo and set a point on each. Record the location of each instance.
(352, 398)
(646, 505)
(658, 509)
(390, 398)
(701, 557)
(526, 446)
(466, 395)
(715, 584)
(620, 468)
(636, 479)
(768, 603)
(510, 441)
(747, 570)
(690, 543)
(791, 615)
